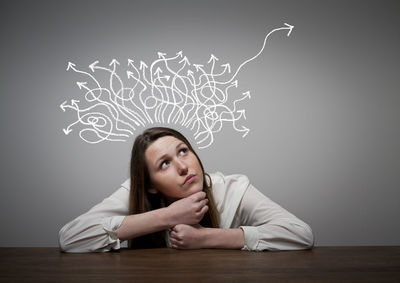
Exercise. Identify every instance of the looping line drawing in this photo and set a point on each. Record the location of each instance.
(171, 90)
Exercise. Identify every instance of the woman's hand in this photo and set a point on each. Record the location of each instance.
(197, 237)
(184, 236)
(189, 210)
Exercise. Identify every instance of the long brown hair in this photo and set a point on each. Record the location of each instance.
(140, 200)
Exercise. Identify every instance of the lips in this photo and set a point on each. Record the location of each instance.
(189, 179)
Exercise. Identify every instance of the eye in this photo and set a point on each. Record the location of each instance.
(183, 151)
(164, 164)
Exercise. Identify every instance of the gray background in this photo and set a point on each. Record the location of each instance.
(324, 113)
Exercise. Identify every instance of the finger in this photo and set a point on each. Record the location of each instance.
(201, 204)
(198, 196)
(204, 210)
(176, 243)
(177, 227)
(177, 247)
(175, 235)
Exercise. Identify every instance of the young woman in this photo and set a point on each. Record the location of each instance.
(169, 201)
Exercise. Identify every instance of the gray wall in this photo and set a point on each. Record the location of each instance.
(324, 113)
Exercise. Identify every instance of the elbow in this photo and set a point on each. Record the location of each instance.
(302, 237)
(69, 244)
(62, 242)
(66, 241)
(308, 237)
(81, 243)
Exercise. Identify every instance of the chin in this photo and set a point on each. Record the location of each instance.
(196, 189)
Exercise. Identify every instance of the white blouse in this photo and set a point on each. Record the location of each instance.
(266, 225)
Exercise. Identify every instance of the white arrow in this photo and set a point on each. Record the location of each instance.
(62, 105)
(198, 66)
(245, 130)
(227, 67)
(81, 84)
(114, 62)
(91, 66)
(185, 60)
(290, 28)
(67, 131)
(242, 113)
(70, 65)
(212, 59)
(158, 71)
(74, 102)
(143, 65)
(162, 55)
(286, 27)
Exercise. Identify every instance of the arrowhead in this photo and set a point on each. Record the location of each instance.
(70, 65)
(227, 66)
(243, 112)
(93, 65)
(129, 74)
(246, 130)
(81, 84)
(290, 27)
(167, 77)
(62, 105)
(186, 60)
(158, 71)
(197, 66)
(212, 58)
(161, 55)
(235, 83)
(142, 65)
(180, 53)
(67, 131)
(130, 62)
(247, 94)
(190, 73)
(114, 62)
(74, 102)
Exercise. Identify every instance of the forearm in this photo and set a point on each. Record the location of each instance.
(137, 225)
(223, 238)
(285, 234)
(189, 210)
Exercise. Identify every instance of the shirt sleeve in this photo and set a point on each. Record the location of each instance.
(268, 226)
(95, 230)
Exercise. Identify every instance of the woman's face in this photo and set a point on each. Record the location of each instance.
(174, 170)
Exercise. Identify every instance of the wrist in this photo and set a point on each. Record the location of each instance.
(168, 217)
(207, 238)
(218, 238)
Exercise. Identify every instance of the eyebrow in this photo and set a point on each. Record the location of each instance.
(165, 155)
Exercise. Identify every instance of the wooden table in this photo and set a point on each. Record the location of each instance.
(322, 264)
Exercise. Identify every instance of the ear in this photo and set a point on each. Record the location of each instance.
(153, 191)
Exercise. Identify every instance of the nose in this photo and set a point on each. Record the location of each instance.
(182, 167)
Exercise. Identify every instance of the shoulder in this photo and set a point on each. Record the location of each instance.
(229, 181)
(126, 184)
(228, 191)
